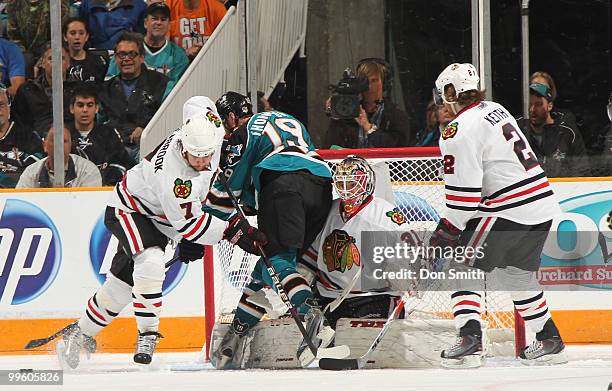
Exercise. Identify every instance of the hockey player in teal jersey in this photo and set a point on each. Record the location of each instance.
(271, 164)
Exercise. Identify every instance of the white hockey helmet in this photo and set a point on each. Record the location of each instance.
(199, 136)
(463, 77)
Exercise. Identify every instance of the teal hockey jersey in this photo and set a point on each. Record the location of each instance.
(269, 141)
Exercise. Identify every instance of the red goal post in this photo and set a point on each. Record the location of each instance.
(412, 179)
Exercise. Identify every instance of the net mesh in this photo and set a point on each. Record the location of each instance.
(414, 185)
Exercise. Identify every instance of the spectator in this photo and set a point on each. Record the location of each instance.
(380, 122)
(557, 145)
(79, 172)
(33, 105)
(98, 143)
(546, 79)
(130, 99)
(108, 19)
(19, 147)
(12, 66)
(84, 65)
(161, 55)
(192, 22)
(29, 27)
(437, 118)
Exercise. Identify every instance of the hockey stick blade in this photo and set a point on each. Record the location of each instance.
(43, 341)
(346, 364)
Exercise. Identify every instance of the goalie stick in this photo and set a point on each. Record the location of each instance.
(35, 343)
(334, 352)
(335, 364)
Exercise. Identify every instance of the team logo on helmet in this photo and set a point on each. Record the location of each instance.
(450, 131)
(340, 252)
(182, 189)
(396, 216)
(214, 118)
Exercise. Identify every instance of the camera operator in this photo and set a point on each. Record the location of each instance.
(360, 115)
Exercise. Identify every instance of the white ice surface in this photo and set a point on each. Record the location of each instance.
(590, 368)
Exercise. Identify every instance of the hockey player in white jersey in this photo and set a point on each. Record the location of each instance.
(499, 199)
(159, 199)
(334, 260)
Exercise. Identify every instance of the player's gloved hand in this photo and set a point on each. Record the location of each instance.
(190, 251)
(445, 235)
(240, 232)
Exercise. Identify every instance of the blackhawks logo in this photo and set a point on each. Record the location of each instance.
(340, 252)
(182, 189)
(212, 117)
(396, 216)
(450, 130)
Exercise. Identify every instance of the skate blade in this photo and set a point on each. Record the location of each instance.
(60, 349)
(471, 361)
(548, 359)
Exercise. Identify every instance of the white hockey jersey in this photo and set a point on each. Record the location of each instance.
(490, 169)
(335, 255)
(166, 189)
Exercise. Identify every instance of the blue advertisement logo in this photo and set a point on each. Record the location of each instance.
(30, 252)
(575, 255)
(99, 250)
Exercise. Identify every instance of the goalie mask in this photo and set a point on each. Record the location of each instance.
(463, 77)
(354, 181)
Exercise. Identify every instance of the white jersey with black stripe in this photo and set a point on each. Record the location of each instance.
(335, 257)
(490, 169)
(166, 189)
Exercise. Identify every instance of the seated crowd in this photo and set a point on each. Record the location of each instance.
(121, 58)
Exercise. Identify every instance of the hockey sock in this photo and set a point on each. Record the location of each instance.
(248, 314)
(294, 283)
(533, 309)
(105, 305)
(149, 273)
(466, 307)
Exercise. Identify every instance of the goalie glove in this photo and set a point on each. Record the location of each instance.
(239, 232)
(190, 251)
(445, 235)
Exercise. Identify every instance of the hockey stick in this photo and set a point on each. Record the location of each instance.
(337, 351)
(43, 341)
(335, 364)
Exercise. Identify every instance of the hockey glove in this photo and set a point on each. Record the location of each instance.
(239, 232)
(190, 251)
(445, 235)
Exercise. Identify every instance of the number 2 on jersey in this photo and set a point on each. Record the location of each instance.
(525, 156)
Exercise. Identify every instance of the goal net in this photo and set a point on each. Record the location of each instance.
(411, 179)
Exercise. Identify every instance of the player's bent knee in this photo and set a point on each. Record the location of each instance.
(149, 270)
(114, 294)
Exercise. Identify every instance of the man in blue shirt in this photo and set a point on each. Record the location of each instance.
(12, 66)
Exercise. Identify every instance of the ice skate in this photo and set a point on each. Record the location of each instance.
(69, 349)
(319, 331)
(545, 352)
(466, 352)
(145, 346)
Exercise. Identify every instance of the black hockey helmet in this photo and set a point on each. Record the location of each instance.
(233, 102)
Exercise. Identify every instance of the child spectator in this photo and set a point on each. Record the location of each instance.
(84, 65)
